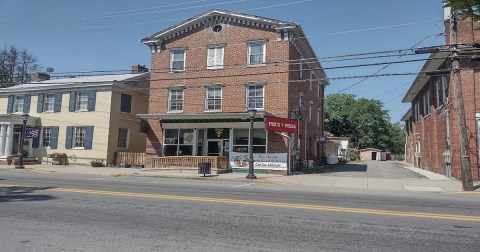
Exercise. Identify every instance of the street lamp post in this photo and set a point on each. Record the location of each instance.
(251, 175)
(22, 139)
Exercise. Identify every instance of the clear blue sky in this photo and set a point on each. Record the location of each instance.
(91, 35)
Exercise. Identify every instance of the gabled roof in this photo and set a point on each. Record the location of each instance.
(86, 81)
(434, 62)
(216, 15)
(407, 115)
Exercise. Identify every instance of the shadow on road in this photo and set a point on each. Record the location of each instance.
(346, 168)
(17, 193)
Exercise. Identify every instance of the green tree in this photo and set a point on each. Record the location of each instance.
(364, 121)
(465, 8)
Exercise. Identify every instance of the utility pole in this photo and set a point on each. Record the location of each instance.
(466, 171)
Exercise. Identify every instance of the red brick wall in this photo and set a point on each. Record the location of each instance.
(281, 93)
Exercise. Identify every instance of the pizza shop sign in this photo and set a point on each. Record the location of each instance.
(281, 124)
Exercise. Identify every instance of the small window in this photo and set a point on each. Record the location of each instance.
(46, 137)
(256, 53)
(426, 103)
(416, 109)
(215, 57)
(49, 103)
(213, 98)
(123, 138)
(441, 90)
(175, 100)
(255, 96)
(126, 103)
(217, 28)
(79, 134)
(18, 104)
(177, 62)
(81, 102)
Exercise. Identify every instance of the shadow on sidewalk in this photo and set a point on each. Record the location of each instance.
(19, 193)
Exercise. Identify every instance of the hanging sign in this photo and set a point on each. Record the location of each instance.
(281, 124)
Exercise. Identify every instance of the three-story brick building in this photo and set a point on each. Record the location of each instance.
(207, 71)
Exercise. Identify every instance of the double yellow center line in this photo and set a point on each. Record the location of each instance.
(261, 203)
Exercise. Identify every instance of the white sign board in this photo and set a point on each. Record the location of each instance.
(264, 161)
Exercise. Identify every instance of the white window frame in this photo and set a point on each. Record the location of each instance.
(255, 97)
(310, 105)
(416, 109)
(441, 93)
(49, 100)
(78, 138)
(172, 55)
(264, 50)
(46, 137)
(18, 104)
(81, 101)
(318, 117)
(215, 61)
(214, 98)
(426, 103)
(170, 100)
(127, 138)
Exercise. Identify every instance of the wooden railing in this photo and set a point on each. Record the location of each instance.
(186, 161)
(170, 161)
(130, 158)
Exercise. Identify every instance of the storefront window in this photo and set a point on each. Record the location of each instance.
(178, 142)
(240, 140)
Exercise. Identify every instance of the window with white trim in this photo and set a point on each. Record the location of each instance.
(441, 90)
(213, 98)
(46, 137)
(49, 103)
(426, 103)
(318, 118)
(79, 134)
(81, 101)
(215, 57)
(122, 138)
(255, 96)
(18, 104)
(256, 53)
(175, 99)
(177, 60)
(310, 111)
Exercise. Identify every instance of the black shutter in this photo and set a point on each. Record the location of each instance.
(88, 138)
(71, 105)
(10, 104)
(26, 104)
(91, 100)
(40, 103)
(54, 138)
(68, 139)
(58, 102)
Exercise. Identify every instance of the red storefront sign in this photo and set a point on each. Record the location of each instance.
(281, 124)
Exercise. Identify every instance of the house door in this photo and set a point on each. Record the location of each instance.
(214, 148)
(15, 143)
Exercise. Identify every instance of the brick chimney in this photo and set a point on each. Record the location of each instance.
(38, 76)
(139, 69)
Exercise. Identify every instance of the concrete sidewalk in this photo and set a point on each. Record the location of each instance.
(432, 183)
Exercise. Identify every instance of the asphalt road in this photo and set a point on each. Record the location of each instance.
(62, 212)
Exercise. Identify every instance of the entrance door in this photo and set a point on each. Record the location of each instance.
(15, 143)
(214, 148)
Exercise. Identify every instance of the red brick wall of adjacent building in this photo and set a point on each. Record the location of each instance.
(276, 74)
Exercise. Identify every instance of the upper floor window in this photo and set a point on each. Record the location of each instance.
(255, 95)
(256, 53)
(18, 104)
(215, 57)
(49, 102)
(426, 103)
(213, 98)
(82, 101)
(177, 60)
(175, 99)
(416, 111)
(46, 137)
(441, 90)
(126, 103)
